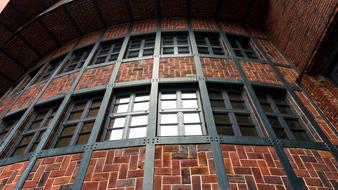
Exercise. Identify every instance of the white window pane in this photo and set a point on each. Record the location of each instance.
(168, 96)
(141, 98)
(189, 104)
(123, 100)
(188, 95)
(193, 130)
(122, 108)
(141, 106)
(137, 132)
(168, 104)
(119, 122)
(168, 118)
(116, 134)
(169, 130)
(191, 117)
(139, 120)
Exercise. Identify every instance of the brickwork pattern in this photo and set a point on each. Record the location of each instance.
(135, 70)
(260, 72)
(318, 169)
(95, 77)
(116, 169)
(177, 67)
(290, 75)
(59, 86)
(116, 31)
(320, 121)
(272, 53)
(144, 26)
(10, 175)
(174, 24)
(89, 39)
(57, 172)
(27, 97)
(235, 28)
(219, 68)
(204, 24)
(253, 167)
(185, 167)
(5, 105)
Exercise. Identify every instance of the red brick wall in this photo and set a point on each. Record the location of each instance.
(144, 26)
(135, 70)
(174, 24)
(235, 28)
(325, 94)
(318, 169)
(58, 86)
(6, 104)
(177, 67)
(253, 167)
(260, 72)
(290, 75)
(272, 53)
(56, 172)
(119, 168)
(184, 167)
(10, 175)
(204, 24)
(89, 39)
(321, 122)
(219, 68)
(95, 77)
(27, 97)
(116, 31)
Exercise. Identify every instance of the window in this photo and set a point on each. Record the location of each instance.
(77, 59)
(6, 126)
(282, 118)
(26, 81)
(108, 52)
(31, 136)
(175, 43)
(78, 122)
(209, 43)
(141, 46)
(48, 72)
(242, 46)
(231, 113)
(180, 113)
(128, 117)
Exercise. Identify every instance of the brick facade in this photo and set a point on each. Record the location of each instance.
(184, 167)
(235, 28)
(89, 39)
(289, 74)
(115, 169)
(271, 52)
(219, 68)
(10, 175)
(56, 172)
(204, 24)
(177, 67)
(260, 72)
(174, 24)
(253, 167)
(144, 26)
(27, 97)
(95, 77)
(5, 105)
(116, 31)
(318, 169)
(135, 70)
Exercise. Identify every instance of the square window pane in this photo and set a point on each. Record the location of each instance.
(280, 133)
(238, 105)
(203, 50)
(274, 122)
(69, 130)
(87, 127)
(168, 118)
(75, 115)
(235, 96)
(218, 51)
(293, 124)
(139, 120)
(284, 109)
(141, 106)
(244, 119)
(183, 50)
(147, 52)
(62, 142)
(169, 130)
(93, 112)
(142, 98)
(121, 108)
(222, 119)
(301, 135)
(83, 139)
(248, 131)
(123, 100)
(188, 95)
(266, 107)
(168, 50)
(225, 130)
(19, 151)
(217, 104)
(132, 54)
(171, 104)
(79, 106)
(168, 96)
(138, 132)
(192, 130)
(26, 140)
(215, 95)
(189, 104)
(116, 134)
(118, 122)
(191, 118)
(35, 125)
(238, 53)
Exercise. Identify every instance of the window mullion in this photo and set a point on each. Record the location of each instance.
(180, 115)
(231, 115)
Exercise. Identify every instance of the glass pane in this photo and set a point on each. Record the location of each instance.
(192, 130)
(168, 118)
(118, 122)
(87, 127)
(248, 131)
(62, 142)
(26, 140)
(188, 95)
(293, 124)
(75, 115)
(238, 53)
(93, 112)
(274, 122)
(139, 120)
(203, 50)
(168, 96)
(225, 130)
(83, 139)
(19, 151)
(168, 50)
(301, 135)
(217, 104)
(123, 100)
(284, 109)
(69, 130)
(191, 118)
(183, 50)
(35, 125)
(244, 119)
(238, 105)
(138, 132)
(279, 100)
(266, 107)
(121, 108)
(222, 119)
(215, 95)
(280, 133)
(235, 96)
(141, 106)
(133, 54)
(141, 98)
(168, 104)
(79, 107)
(218, 51)
(169, 130)
(147, 52)
(116, 134)
(189, 104)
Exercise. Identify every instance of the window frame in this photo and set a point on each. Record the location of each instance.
(50, 69)
(113, 43)
(7, 124)
(141, 48)
(175, 45)
(84, 51)
(240, 48)
(210, 48)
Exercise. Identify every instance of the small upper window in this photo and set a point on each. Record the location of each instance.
(140, 46)
(209, 43)
(50, 69)
(175, 43)
(77, 59)
(242, 46)
(108, 52)
(6, 126)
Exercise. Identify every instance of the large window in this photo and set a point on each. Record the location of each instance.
(209, 43)
(242, 46)
(180, 113)
(128, 117)
(77, 59)
(49, 70)
(175, 43)
(6, 126)
(31, 136)
(284, 121)
(140, 46)
(232, 113)
(78, 123)
(108, 52)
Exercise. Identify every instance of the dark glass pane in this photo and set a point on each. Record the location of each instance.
(284, 109)
(214, 41)
(93, 112)
(222, 119)
(274, 122)
(83, 139)
(135, 44)
(148, 52)
(26, 140)
(238, 53)
(218, 51)
(168, 50)
(244, 119)
(251, 55)
(168, 40)
(75, 115)
(301, 135)
(293, 124)
(182, 40)
(225, 130)
(100, 60)
(203, 50)
(69, 130)
(235, 96)
(19, 151)
(183, 50)
(200, 40)
(33, 147)
(248, 131)
(280, 133)
(35, 125)
(133, 54)
(217, 104)
(87, 127)
(279, 100)
(266, 107)
(262, 99)
(238, 105)
(113, 57)
(215, 95)
(62, 142)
